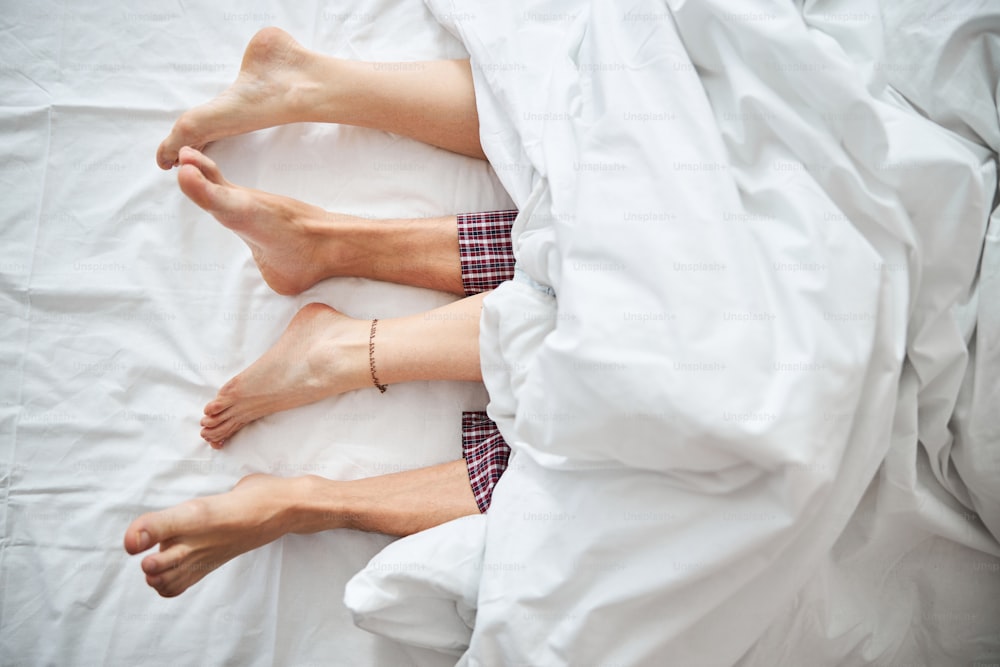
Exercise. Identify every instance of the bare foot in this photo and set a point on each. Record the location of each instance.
(294, 244)
(270, 90)
(321, 354)
(198, 536)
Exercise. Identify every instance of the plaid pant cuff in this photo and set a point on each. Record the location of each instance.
(485, 453)
(485, 249)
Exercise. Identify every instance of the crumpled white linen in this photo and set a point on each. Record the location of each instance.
(732, 423)
(422, 590)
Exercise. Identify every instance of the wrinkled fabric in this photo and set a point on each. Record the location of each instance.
(731, 426)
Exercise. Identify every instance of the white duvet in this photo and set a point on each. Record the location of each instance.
(756, 424)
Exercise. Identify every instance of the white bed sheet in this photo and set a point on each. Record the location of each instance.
(124, 307)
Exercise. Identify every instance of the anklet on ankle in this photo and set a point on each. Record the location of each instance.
(371, 357)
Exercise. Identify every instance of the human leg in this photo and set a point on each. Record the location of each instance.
(281, 82)
(296, 244)
(324, 353)
(199, 535)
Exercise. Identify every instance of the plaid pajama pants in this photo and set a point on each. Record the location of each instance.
(487, 256)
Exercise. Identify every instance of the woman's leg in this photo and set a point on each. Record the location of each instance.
(324, 353)
(282, 82)
(199, 535)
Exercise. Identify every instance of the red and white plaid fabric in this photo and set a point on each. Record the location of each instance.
(487, 256)
(486, 454)
(485, 249)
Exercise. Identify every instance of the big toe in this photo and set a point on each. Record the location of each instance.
(166, 156)
(168, 152)
(198, 188)
(229, 204)
(155, 527)
(183, 133)
(139, 537)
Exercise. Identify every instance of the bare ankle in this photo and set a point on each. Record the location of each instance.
(350, 244)
(322, 91)
(320, 505)
(349, 353)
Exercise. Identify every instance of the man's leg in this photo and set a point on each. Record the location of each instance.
(324, 352)
(296, 244)
(199, 535)
(282, 82)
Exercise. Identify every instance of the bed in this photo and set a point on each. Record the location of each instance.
(839, 159)
(125, 307)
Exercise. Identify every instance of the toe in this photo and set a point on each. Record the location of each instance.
(198, 188)
(212, 421)
(166, 588)
(155, 527)
(222, 432)
(204, 163)
(138, 537)
(175, 580)
(163, 561)
(188, 155)
(181, 134)
(210, 436)
(166, 158)
(217, 406)
(226, 202)
(143, 533)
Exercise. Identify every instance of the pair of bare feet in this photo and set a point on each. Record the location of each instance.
(321, 353)
(295, 246)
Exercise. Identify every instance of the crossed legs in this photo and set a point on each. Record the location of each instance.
(323, 352)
